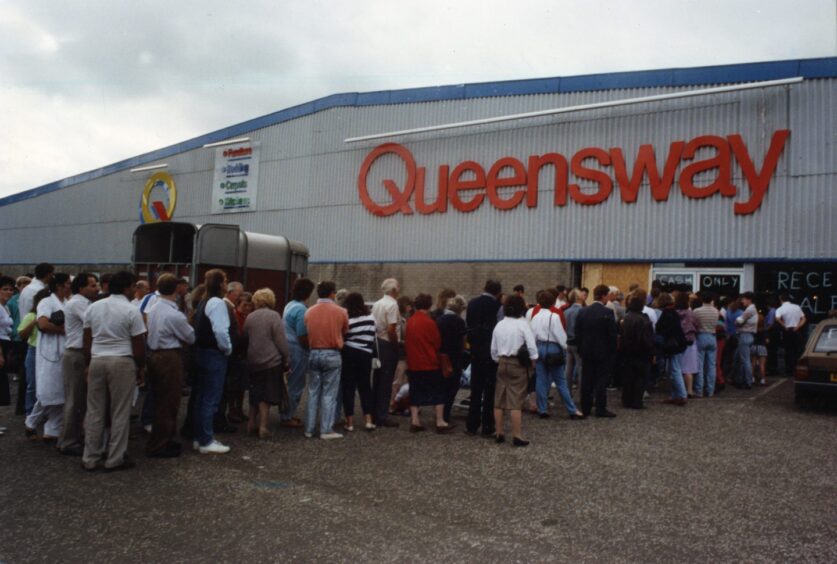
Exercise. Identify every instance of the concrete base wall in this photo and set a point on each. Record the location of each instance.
(465, 278)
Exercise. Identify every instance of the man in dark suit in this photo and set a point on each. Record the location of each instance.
(482, 315)
(595, 333)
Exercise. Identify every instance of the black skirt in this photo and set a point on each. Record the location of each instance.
(427, 387)
(267, 386)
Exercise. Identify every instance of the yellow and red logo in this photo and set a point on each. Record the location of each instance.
(153, 209)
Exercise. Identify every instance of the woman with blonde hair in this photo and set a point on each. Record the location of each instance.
(263, 335)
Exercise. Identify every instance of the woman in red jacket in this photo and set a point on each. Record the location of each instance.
(422, 341)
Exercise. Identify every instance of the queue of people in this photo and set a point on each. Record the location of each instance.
(89, 350)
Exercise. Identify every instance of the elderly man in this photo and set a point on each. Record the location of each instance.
(387, 320)
(221, 422)
(142, 290)
(168, 332)
(114, 345)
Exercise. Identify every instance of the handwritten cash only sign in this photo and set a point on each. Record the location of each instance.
(236, 181)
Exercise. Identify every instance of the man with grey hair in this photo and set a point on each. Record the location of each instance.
(142, 290)
(613, 299)
(220, 423)
(387, 319)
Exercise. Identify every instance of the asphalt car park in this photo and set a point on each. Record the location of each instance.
(745, 476)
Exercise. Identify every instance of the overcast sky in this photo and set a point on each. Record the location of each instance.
(87, 83)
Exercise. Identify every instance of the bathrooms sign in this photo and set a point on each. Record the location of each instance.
(236, 181)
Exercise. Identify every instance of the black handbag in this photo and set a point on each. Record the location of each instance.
(523, 356)
(553, 358)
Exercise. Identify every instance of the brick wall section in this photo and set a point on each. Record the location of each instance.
(15, 270)
(466, 278)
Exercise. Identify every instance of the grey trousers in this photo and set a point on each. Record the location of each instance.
(112, 382)
(75, 399)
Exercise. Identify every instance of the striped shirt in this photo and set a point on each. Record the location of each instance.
(361, 335)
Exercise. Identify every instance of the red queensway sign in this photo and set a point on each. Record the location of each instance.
(468, 185)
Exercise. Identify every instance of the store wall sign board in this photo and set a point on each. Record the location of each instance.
(235, 185)
(467, 185)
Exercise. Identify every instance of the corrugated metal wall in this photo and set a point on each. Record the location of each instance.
(308, 185)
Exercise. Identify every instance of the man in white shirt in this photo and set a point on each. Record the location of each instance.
(114, 337)
(387, 317)
(791, 319)
(168, 331)
(85, 287)
(43, 274)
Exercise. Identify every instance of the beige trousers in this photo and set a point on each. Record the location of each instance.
(112, 382)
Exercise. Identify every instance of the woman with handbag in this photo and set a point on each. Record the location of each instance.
(359, 354)
(551, 340)
(513, 349)
(673, 345)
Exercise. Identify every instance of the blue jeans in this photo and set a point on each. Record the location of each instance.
(212, 368)
(546, 375)
(705, 377)
(29, 366)
(745, 340)
(678, 387)
(296, 376)
(324, 367)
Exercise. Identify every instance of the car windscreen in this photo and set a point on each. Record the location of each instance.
(827, 341)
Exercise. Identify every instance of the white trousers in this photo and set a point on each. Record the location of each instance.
(52, 416)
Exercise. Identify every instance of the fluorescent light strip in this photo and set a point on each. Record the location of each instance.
(230, 142)
(598, 105)
(149, 167)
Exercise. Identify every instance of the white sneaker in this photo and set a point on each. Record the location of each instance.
(195, 445)
(214, 448)
(308, 435)
(147, 429)
(330, 436)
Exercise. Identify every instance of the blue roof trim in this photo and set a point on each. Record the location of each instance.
(513, 87)
(749, 72)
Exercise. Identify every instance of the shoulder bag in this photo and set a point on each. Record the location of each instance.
(553, 358)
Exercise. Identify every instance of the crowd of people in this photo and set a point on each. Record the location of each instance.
(85, 347)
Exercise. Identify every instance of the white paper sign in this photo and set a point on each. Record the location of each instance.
(236, 181)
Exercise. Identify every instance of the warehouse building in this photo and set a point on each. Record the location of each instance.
(719, 177)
